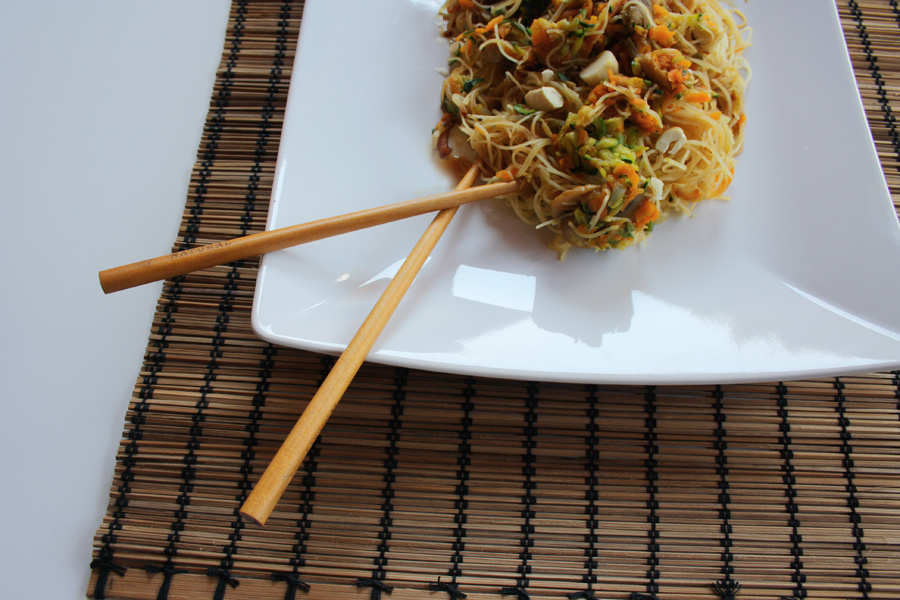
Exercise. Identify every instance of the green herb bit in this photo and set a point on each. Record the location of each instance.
(524, 110)
(450, 107)
(470, 84)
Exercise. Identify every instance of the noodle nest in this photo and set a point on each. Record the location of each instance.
(613, 114)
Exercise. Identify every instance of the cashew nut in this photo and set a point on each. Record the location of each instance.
(671, 141)
(598, 71)
(546, 98)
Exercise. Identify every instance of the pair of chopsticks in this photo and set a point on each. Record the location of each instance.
(270, 487)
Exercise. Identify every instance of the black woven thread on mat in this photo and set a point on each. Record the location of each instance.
(216, 127)
(895, 8)
(248, 454)
(298, 560)
(268, 111)
(225, 307)
(592, 496)
(214, 133)
(652, 491)
(896, 380)
(379, 573)
(462, 492)
(154, 364)
(244, 485)
(168, 572)
(310, 466)
(104, 563)
(520, 590)
(787, 455)
(223, 319)
(852, 499)
(871, 59)
(726, 588)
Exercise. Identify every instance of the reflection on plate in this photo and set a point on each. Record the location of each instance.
(797, 276)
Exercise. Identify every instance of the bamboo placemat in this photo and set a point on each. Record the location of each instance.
(426, 485)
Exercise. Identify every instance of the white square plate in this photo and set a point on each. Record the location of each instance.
(797, 276)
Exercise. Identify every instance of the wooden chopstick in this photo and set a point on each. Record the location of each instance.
(275, 479)
(202, 257)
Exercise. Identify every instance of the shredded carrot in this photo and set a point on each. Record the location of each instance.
(587, 46)
(467, 3)
(582, 135)
(692, 197)
(490, 26)
(539, 35)
(659, 11)
(716, 115)
(645, 213)
(697, 96)
(628, 171)
(647, 121)
(595, 201)
(661, 35)
(597, 93)
(726, 181)
(507, 174)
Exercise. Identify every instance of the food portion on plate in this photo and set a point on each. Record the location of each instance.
(614, 114)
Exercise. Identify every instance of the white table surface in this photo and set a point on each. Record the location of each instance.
(102, 105)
